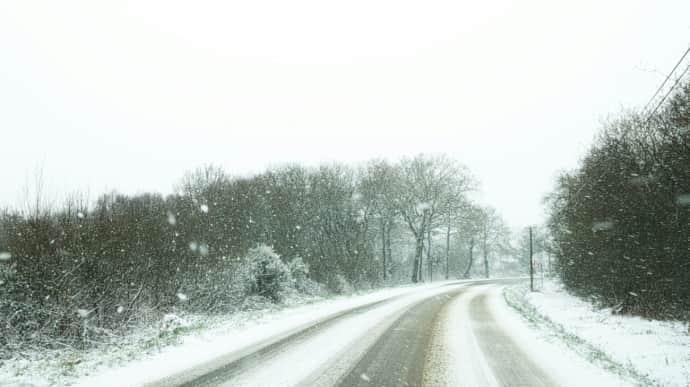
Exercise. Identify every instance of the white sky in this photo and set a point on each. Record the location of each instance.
(130, 95)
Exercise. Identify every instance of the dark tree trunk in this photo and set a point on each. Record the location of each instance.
(383, 247)
(486, 264)
(447, 248)
(419, 253)
(430, 261)
(469, 264)
(389, 250)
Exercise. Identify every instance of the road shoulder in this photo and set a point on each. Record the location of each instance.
(611, 342)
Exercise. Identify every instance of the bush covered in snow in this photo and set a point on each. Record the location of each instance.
(172, 324)
(266, 274)
(620, 222)
(299, 271)
(340, 285)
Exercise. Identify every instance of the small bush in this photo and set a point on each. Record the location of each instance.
(299, 271)
(340, 285)
(266, 274)
(172, 324)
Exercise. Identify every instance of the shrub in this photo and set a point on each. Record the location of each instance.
(299, 271)
(266, 274)
(172, 324)
(340, 285)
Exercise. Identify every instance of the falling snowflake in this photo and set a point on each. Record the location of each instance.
(171, 219)
(182, 296)
(204, 208)
(5, 255)
(602, 226)
(683, 200)
(120, 309)
(80, 215)
(83, 313)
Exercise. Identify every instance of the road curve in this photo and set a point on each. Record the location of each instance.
(446, 337)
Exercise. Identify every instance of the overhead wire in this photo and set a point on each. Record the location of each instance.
(667, 78)
(682, 75)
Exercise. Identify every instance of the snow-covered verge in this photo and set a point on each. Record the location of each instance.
(177, 342)
(654, 353)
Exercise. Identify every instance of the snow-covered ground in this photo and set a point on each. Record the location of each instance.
(143, 357)
(651, 352)
(460, 350)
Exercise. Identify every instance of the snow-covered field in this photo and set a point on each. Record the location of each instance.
(143, 357)
(651, 352)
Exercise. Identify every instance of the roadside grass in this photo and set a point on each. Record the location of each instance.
(515, 298)
(40, 367)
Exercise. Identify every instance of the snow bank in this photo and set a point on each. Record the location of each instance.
(656, 352)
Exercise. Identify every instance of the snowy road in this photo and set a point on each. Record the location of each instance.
(454, 335)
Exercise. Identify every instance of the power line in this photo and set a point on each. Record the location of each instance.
(667, 78)
(670, 90)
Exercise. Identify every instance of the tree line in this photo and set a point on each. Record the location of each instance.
(220, 240)
(620, 222)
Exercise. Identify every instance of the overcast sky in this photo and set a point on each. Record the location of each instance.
(130, 95)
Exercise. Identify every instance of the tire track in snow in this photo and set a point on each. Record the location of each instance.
(508, 362)
(399, 355)
(266, 351)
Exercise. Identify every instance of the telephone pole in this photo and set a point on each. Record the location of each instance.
(531, 262)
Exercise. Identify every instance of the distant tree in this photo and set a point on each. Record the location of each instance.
(426, 184)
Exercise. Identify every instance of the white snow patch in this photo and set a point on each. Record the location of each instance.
(658, 349)
(421, 207)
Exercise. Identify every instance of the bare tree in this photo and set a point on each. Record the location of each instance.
(426, 185)
(492, 231)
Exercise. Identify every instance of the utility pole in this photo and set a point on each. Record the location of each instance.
(447, 245)
(428, 256)
(531, 262)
